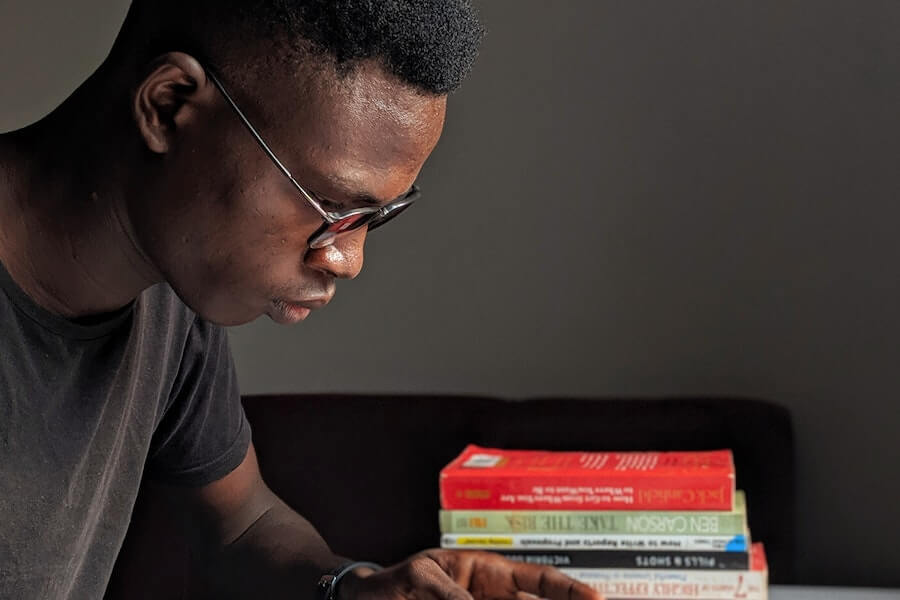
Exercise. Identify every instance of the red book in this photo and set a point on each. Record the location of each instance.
(487, 478)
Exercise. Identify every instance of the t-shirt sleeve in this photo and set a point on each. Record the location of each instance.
(203, 434)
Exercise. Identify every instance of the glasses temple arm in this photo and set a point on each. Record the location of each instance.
(266, 148)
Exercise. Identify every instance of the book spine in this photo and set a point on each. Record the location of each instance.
(632, 559)
(701, 523)
(720, 543)
(652, 584)
(566, 492)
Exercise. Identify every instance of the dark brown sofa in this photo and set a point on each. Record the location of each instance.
(363, 469)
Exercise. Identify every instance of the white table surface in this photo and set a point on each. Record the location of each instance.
(797, 592)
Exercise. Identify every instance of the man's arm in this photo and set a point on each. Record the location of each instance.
(255, 546)
(250, 543)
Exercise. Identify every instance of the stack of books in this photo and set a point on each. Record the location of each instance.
(630, 524)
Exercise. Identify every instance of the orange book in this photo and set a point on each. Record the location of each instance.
(492, 479)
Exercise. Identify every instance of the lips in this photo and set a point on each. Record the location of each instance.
(288, 311)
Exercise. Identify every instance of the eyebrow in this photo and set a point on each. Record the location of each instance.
(355, 197)
(345, 189)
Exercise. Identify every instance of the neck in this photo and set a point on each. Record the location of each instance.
(65, 237)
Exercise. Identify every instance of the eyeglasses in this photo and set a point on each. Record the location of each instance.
(336, 222)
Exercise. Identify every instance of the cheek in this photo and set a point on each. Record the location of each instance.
(259, 232)
(241, 238)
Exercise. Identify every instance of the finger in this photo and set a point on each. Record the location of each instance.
(429, 579)
(582, 591)
(547, 582)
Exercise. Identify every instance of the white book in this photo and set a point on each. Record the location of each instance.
(653, 584)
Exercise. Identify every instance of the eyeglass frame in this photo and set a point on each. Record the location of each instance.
(322, 237)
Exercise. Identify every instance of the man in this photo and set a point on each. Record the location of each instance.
(226, 161)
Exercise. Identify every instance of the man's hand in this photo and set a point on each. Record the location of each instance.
(463, 575)
(257, 547)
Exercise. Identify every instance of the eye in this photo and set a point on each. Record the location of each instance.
(332, 206)
(326, 204)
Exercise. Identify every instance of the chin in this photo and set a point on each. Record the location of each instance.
(226, 320)
(220, 307)
(233, 322)
(226, 316)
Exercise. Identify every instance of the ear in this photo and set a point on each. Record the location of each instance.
(169, 98)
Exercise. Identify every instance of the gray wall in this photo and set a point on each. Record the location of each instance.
(630, 197)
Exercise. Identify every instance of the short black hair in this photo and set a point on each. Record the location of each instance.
(429, 44)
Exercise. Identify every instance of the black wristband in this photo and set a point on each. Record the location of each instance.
(328, 583)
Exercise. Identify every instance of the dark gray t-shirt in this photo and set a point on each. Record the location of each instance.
(86, 410)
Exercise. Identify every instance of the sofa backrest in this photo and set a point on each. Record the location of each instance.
(364, 468)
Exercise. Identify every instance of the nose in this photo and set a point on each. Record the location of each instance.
(343, 259)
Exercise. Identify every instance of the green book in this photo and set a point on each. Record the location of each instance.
(687, 522)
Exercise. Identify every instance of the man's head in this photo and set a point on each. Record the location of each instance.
(350, 95)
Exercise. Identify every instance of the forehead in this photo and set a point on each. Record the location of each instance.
(365, 127)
